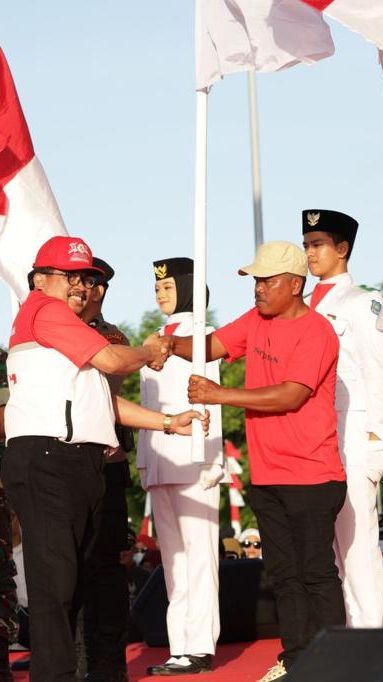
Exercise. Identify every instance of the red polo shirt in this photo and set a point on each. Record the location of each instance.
(297, 447)
(51, 323)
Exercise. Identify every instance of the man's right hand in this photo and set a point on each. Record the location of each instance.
(161, 348)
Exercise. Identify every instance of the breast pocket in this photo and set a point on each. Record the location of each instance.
(339, 325)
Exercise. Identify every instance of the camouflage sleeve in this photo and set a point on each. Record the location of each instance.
(8, 599)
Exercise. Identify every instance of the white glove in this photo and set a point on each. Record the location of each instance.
(142, 473)
(210, 475)
(374, 462)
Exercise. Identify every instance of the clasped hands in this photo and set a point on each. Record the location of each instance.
(161, 348)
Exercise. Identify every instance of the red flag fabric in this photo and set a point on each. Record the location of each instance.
(319, 4)
(29, 214)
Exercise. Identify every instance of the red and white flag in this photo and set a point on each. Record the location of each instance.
(264, 35)
(363, 16)
(29, 214)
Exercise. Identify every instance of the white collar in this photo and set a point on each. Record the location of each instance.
(178, 318)
(343, 278)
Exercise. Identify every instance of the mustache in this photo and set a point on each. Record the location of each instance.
(77, 292)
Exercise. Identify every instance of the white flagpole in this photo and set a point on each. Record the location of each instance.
(199, 288)
(255, 160)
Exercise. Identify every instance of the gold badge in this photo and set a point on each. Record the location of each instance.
(161, 272)
(313, 219)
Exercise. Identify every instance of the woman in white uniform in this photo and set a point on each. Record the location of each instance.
(185, 495)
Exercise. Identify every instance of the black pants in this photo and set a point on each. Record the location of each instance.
(296, 524)
(106, 601)
(55, 490)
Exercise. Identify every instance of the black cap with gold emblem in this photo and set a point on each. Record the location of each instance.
(173, 267)
(181, 269)
(333, 222)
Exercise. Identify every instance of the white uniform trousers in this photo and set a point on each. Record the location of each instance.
(357, 551)
(186, 519)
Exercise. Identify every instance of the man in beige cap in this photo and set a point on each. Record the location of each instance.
(298, 481)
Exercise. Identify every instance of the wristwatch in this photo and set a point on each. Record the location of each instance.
(166, 424)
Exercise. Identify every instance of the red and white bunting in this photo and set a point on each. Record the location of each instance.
(232, 455)
(146, 527)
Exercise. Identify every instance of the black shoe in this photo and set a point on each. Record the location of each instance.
(22, 664)
(198, 664)
(205, 662)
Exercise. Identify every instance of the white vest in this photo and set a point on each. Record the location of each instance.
(51, 396)
(167, 459)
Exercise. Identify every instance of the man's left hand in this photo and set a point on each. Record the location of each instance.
(203, 391)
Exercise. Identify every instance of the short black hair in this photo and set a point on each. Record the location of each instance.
(338, 238)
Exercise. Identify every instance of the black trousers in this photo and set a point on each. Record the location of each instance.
(296, 524)
(55, 490)
(106, 594)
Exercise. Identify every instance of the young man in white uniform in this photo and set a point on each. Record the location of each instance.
(185, 495)
(353, 312)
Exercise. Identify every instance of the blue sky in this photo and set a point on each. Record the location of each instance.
(108, 92)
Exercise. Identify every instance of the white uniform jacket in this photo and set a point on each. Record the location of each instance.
(353, 313)
(167, 459)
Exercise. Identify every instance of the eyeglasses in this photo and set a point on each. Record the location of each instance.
(74, 278)
(255, 544)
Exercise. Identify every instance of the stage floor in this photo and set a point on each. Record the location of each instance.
(244, 662)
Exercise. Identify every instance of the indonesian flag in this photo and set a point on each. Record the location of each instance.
(363, 16)
(265, 35)
(29, 214)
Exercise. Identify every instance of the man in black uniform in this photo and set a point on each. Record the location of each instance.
(106, 597)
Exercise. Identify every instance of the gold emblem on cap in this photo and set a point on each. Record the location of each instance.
(162, 271)
(313, 219)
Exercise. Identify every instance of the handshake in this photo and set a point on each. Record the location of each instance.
(160, 348)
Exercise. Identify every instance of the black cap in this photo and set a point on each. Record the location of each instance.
(172, 267)
(334, 222)
(108, 270)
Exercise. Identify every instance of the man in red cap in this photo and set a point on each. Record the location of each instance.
(59, 420)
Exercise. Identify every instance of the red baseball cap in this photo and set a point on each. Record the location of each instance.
(65, 253)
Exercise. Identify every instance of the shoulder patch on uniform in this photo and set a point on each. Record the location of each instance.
(376, 307)
(114, 336)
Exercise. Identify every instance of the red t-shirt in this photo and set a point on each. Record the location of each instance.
(298, 447)
(53, 324)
